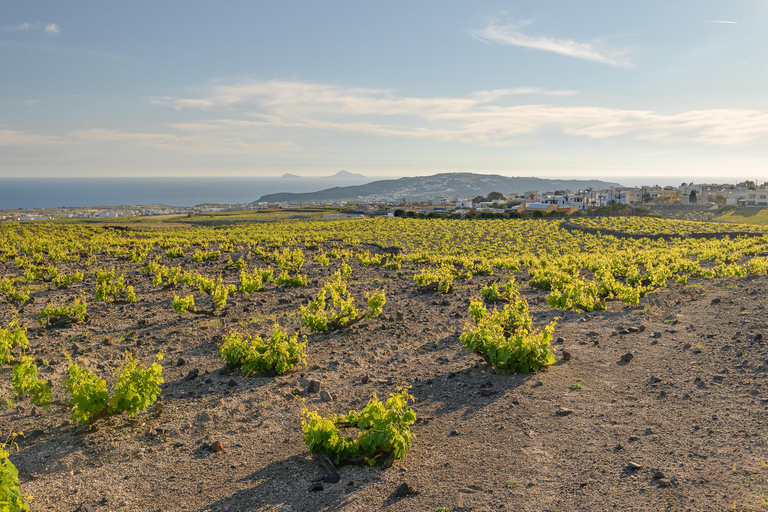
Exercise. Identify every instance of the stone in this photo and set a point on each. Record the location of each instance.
(453, 433)
(564, 411)
(486, 392)
(192, 374)
(404, 490)
(664, 483)
(325, 396)
(567, 355)
(633, 466)
(627, 357)
(658, 475)
(365, 379)
(232, 383)
(316, 487)
(216, 446)
(313, 386)
(180, 362)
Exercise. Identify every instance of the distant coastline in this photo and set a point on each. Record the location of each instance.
(78, 192)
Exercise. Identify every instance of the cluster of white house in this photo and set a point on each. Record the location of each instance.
(742, 194)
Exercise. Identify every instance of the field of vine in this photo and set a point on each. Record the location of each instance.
(225, 364)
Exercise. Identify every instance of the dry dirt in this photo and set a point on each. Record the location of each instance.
(691, 405)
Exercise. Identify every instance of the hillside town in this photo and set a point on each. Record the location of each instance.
(559, 202)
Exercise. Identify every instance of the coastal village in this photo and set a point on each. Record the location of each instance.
(558, 202)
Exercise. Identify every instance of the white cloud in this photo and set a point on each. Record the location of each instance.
(480, 118)
(18, 138)
(723, 22)
(512, 35)
(50, 28)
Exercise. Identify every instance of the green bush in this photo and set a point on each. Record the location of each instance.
(13, 336)
(507, 338)
(184, 304)
(334, 307)
(88, 393)
(278, 353)
(441, 277)
(384, 430)
(136, 388)
(111, 288)
(11, 499)
(25, 382)
(52, 315)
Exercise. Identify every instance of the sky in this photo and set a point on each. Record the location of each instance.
(629, 91)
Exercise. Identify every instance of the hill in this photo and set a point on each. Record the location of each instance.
(439, 185)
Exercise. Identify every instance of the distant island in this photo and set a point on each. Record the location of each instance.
(459, 184)
(341, 175)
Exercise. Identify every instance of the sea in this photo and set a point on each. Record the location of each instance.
(73, 192)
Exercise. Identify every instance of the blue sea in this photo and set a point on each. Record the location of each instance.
(71, 192)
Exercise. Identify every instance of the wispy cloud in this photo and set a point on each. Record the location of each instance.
(513, 35)
(723, 22)
(480, 118)
(50, 28)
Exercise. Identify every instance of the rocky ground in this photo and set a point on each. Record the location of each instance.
(658, 407)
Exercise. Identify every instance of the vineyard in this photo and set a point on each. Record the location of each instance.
(311, 363)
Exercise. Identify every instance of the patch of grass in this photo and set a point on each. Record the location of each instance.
(512, 483)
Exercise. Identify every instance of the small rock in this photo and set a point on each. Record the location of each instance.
(192, 374)
(486, 392)
(656, 335)
(403, 490)
(664, 483)
(325, 396)
(313, 386)
(232, 383)
(567, 355)
(365, 379)
(632, 466)
(180, 362)
(284, 301)
(216, 446)
(316, 487)
(627, 357)
(716, 300)
(560, 340)
(757, 337)
(563, 411)
(453, 433)
(658, 475)
(633, 329)
(85, 508)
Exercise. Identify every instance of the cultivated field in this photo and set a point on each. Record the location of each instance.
(310, 363)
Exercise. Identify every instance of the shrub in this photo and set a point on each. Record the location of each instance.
(11, 293)
(200, 256)
(278, 353)
(57, 315)
(253, 282)
(334, 307)
(285, 279)
(175, 252)
(507, 338)
(184, 304)
(441, 278)
(384, 430)
(25, 382)
(11, 499)
(110, 287)
(136, 388)
(13, 336)
(88, 393)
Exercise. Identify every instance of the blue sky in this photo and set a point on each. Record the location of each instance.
(640, 91)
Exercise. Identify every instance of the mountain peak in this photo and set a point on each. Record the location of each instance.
(346, 174)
